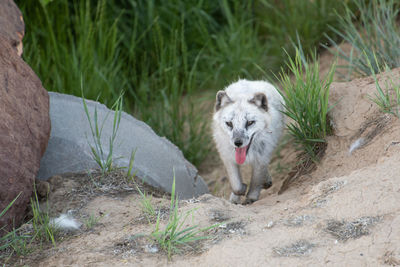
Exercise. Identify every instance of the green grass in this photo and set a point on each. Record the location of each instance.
(67, 40)
(21, 241)
(387, 97)
(374, 34)
(164, 54)
(104, 158)
(283, 22)
(306, 101)
(43, 230)
(92, 220)
(176, 235)
(147, 208)
(10, 240)
(130, 174)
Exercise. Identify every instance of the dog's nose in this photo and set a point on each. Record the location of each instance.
(238, 143)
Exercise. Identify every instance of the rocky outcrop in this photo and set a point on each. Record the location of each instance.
(157, 160)
(24, 118)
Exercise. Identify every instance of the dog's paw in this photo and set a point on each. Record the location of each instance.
(249, 201)
(241, 191)
(253, 195)
(235, 199)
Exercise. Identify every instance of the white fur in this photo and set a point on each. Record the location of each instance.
(356, 145)
(65, 222)
(267, 129)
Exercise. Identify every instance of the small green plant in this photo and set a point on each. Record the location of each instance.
(373, 33)
(14, 242)
(387, 98)
(92, 220)
(11, 239)
(102, 157)
(43, 229)
(4, 212)
(129, 174)
(175, 235)
(20, 243)
(147, 208)
(306, 101)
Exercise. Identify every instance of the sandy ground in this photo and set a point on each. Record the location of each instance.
(345, 212)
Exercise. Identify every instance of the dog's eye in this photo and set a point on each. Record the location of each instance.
(229, 124)
(249, 123)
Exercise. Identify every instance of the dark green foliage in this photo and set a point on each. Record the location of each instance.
(164, 54)
(283, 22)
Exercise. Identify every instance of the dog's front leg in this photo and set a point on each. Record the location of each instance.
(260, 179)
(238, 187)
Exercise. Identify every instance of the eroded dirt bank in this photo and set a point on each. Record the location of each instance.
(344, 213)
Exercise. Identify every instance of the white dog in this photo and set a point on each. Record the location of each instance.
(247, 125)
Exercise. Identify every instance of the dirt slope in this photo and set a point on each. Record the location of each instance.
(345, 213)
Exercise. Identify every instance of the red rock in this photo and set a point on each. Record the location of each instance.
(24, 121)
(12, 24)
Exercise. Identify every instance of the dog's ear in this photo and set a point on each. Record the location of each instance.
(222, 100)
(260, 100)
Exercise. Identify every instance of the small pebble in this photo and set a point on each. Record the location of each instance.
(222, 226)
(270, 224)
(151, 249)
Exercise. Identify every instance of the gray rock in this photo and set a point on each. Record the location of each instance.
(156, 160)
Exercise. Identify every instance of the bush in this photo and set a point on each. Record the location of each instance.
(306, 102)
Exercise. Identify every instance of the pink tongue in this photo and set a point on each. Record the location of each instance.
(240, 155)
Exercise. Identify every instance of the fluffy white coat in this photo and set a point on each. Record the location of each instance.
(247, 125)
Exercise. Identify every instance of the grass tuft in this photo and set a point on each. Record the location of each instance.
(11, 240)
(44, 230)
(104, 158)
(23, 241)
(306, 101)
(92, 220)
(373, 33)
(387, 98)
(147, 208)
(176, 234)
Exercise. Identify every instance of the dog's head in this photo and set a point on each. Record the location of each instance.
(241, 119)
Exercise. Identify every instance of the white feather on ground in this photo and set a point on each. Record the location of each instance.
(65, 222)
(356, 144)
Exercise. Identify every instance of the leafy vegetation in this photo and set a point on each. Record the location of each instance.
(10, 239)
(165, 54)
(147, 208)
(176, 235)
(387, 97)
(373, 33)
(306, 101)
(102, 156)
(92, 220)
(21, 241)
(285, 21)
(44, 230)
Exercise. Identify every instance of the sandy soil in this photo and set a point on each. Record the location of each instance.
(345, 212)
